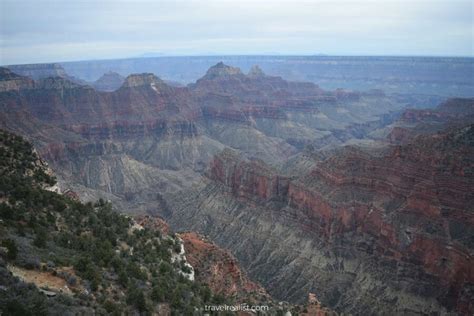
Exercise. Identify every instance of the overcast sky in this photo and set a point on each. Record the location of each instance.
(45, 31)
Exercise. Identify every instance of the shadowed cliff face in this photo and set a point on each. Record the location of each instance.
(313, 191)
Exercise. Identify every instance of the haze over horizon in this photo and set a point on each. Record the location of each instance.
(54, 31)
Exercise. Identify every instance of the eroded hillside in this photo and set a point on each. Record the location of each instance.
(346, 194)
(61, 257)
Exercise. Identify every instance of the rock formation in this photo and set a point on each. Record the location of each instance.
(256, 71)
(220, 270)
(39, 71)
(313, 191)
(109, 81)
(375, 215)
(9, 81)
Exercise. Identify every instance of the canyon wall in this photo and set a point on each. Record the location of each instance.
(313, 191)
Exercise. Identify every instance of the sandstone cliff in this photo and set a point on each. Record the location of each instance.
(375, 216)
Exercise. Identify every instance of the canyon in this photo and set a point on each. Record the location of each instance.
(446, 76)
(364, 198)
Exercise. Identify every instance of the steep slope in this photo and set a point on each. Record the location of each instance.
(116, 145)
(220, 271)
(59, 256)
(453, 112)
(136, 133)
(9, 81)
(395, 220)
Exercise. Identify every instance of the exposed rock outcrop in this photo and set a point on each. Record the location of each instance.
(39, 71)
(220, 270)
(411, 204)
(137, 80)
(43, 71)
(110, 81)
(10, 81)
(221, 70)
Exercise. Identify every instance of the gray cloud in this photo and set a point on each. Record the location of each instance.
(53, 30)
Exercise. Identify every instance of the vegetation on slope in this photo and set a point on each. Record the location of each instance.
(82, 258)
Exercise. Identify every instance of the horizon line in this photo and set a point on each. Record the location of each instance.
(240, 55)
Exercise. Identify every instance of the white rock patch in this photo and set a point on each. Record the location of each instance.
(178, 257)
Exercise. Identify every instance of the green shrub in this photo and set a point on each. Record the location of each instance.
(41, 238)
(11, 248)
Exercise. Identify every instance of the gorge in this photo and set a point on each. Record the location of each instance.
(364, 198)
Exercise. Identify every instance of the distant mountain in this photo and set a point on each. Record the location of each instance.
(39, 71)
(110, 81)
(440, 76)
(152, 54)
(43, 71)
